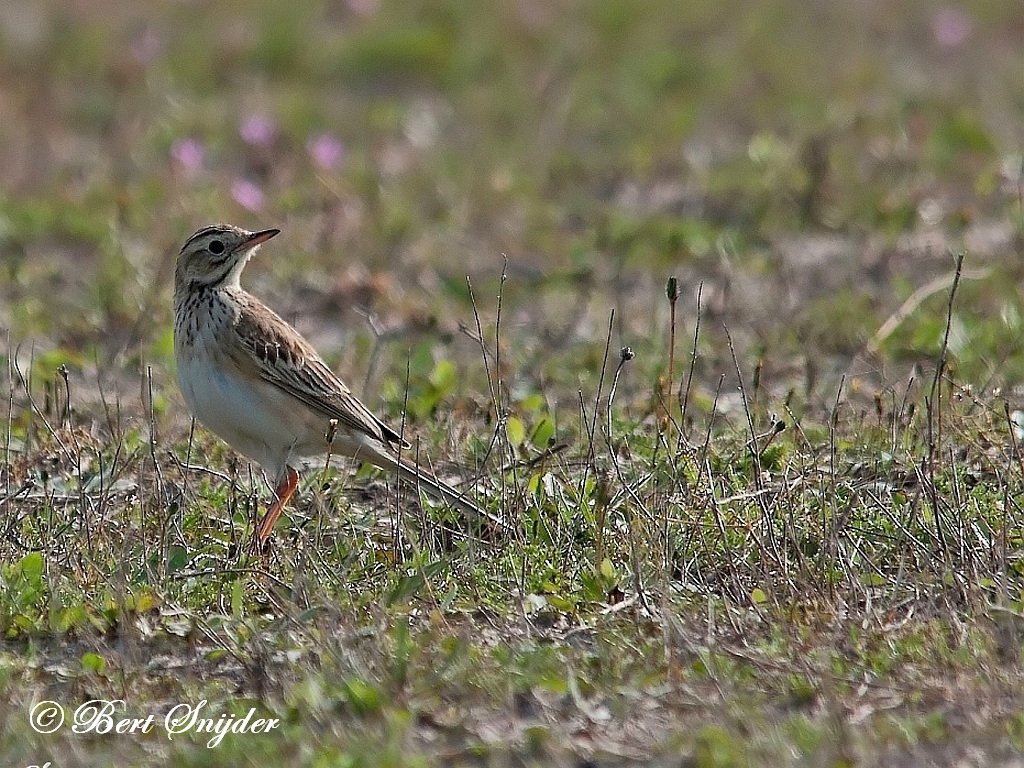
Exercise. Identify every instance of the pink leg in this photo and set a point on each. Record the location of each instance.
(282, 493)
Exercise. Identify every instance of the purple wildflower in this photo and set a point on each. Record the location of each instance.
(247, 194)
(951, 26)
(258, 129)
(189, 154)
(326, 150)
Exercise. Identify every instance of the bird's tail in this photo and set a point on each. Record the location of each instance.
(440, 490)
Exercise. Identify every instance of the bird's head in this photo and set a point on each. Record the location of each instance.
(215, 256)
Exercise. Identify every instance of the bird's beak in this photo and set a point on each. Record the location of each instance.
(257, 238)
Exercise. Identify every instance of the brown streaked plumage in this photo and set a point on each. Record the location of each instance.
(253, 380)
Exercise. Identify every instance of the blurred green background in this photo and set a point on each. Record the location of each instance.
(812, 163)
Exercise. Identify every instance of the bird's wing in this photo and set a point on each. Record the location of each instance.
(282, 357)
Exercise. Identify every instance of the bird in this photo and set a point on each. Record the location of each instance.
(258, 384)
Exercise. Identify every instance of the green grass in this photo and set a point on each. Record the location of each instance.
(797, 543)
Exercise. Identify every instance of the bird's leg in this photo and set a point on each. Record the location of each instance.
(282, 493)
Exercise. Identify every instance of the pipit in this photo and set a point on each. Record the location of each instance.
(254, 381)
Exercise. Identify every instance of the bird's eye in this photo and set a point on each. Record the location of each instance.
(216, 247)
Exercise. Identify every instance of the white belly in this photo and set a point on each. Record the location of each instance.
(252, 416)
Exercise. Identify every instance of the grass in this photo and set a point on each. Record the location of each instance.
(770, 515)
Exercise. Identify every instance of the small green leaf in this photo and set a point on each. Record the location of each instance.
(561, 603)
(608, 570)
(515, 431)
(444, 376)
(31, 567)
(403, 651)
(362, 696)
(142, 602)
(543, 432)
(236, 598)
(532, 403)
(93, 662)
(177, 558)
(758, 596)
